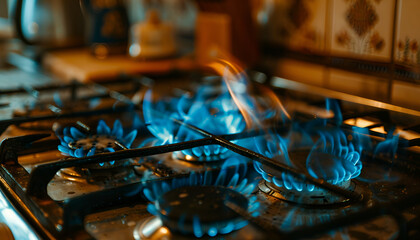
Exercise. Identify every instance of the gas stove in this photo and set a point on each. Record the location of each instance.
(192, 155)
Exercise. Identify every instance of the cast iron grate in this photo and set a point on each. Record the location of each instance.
(66, 217)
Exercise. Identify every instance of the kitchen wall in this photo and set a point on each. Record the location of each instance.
(368, 48)
(364, 47)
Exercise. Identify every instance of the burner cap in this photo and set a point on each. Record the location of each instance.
(99, 141)
(76, 143)
(92, 174)
(197, 205)
(317, 197)
(181, 209)
(212, 153)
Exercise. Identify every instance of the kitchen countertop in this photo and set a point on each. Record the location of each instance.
(79, 64)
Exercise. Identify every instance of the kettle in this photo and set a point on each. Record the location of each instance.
(49, 23)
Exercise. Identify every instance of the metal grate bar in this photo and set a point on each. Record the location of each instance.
(4, 124)
(284, 168)
(42, 174)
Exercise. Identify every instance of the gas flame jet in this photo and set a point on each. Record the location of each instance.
(238, 85)
(220, 105)
(316, 148)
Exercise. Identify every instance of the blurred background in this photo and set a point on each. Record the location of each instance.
(368, 48)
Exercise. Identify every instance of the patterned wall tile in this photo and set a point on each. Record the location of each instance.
(298, 24)
(362, 29)
(407, 37)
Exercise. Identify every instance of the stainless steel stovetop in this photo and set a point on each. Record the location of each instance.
(183, 176)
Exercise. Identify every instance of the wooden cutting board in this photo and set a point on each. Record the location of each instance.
(79, 64)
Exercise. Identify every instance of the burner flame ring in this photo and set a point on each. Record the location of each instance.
(194, 223)
(75, 143)
(331, 158)
(210, 153)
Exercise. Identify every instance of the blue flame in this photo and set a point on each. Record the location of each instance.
(297, 217)
(388, 147)
(331, 158)
(234, 182)
(94, 102)
(208, 109)
(74, 143)
(382, 149)
(275, 148)
(219, 116)
(362, 139)
(160, 126)
(57, 100)
(333, 105)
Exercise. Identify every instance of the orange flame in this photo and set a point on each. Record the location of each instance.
(278, 104)
(233, 73)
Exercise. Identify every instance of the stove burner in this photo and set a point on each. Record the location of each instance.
(331, 158)
(200, 209)
(196, 205)
(97, 175)
(210, 153)
(212, 109)
(77, 144)
(316, 197)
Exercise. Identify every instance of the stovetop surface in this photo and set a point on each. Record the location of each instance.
(114, 199)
